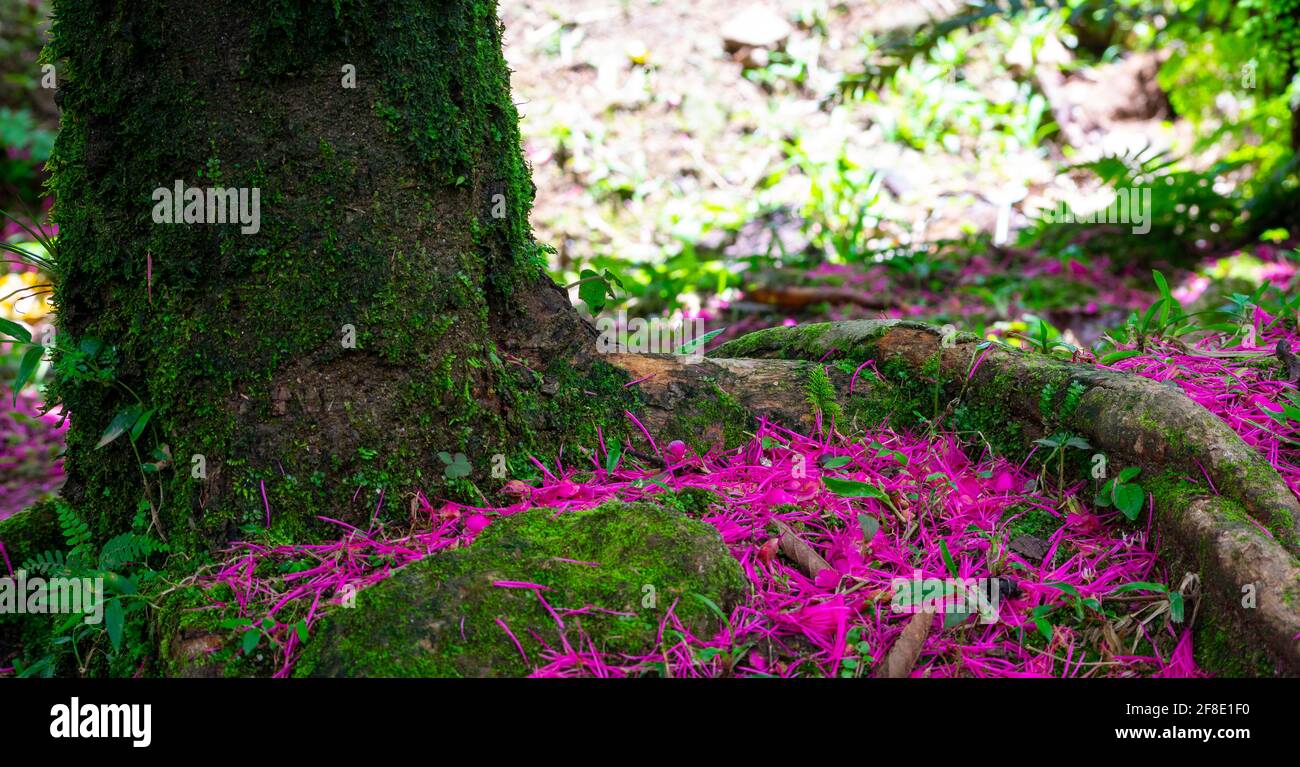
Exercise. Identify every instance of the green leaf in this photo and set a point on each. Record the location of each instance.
(140, 423)
(1170, 303)
(713, 606)
(124, 419)
(118, 584)
(955, 618)
(837, 462)
(939, 476)
(593, 290)
(27, 367)
(250, 641)
(851, 488)
(90, 346)
(1129, 499)
(870, 526)
(456, 466)
(1176, 606)
(612, 457)
(1150, 314)
(1129, 473)
(1122, 354)
(1064, 588)
(1140, 586)
(948, 560)
(896, 455)
(14, 330)
(1044, 628)
(114, 617)
(1102, 498)
(300, 628)
(696, 343)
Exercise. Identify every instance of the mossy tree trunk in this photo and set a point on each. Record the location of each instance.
(394, 203)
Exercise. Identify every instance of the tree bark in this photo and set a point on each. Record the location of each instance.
(393, 205)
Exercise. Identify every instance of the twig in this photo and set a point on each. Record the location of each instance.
(797, 297)
(803, 555)
(900, 661)
(1289, 358)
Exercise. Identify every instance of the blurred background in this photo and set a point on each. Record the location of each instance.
(783, 161)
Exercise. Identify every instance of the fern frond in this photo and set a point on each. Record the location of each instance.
(46, 562)
(75, 532)
(128, 548)
(1045, 398)
(1073, 395)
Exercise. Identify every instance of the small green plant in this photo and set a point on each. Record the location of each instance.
(1059, 443)
(456, 466)
(1045, 339)
(596, 288)
(1123, 493)
(1076, 600)
(1176, 611)
(1056, 418)
(120, 565)
(92, 361)
(857, 656)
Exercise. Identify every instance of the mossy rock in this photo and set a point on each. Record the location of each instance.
(439, 617)
(31, 532)
(25, 535)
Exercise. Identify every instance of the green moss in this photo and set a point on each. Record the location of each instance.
(694, 502)
(1221, 651)
(798, 342)
(1030, 520)
(1175, 439)
(714, 417)
(443, 616)
(879, 400)
(25, 535)
(31, 532)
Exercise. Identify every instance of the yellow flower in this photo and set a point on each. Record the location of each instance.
(17, 302)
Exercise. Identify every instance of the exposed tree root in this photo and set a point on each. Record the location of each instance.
(1250, 563)
(679, 392)
(1127, 417)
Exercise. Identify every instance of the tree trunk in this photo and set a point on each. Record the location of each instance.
(393, 196)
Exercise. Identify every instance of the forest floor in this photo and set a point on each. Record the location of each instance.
(728, 163)
(738, 184)
(661, 146)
